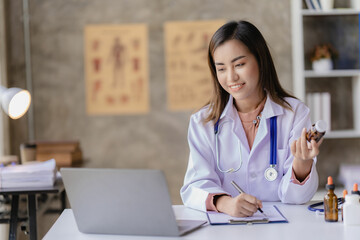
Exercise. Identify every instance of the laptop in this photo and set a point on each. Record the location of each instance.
(123, 201)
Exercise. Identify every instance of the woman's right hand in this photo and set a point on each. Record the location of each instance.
(243, 205)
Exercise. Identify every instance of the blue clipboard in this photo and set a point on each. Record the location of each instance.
(272, 215)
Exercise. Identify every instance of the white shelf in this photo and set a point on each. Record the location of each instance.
(332, 73)
(342, 134)
(300, 75)
(334, 12)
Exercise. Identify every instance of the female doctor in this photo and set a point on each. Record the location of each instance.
(251, 132)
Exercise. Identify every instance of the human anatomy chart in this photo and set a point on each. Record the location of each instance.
(116, 65)
(187, 72)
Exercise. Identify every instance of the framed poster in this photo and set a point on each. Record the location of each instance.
(187, 72)
(116, 65)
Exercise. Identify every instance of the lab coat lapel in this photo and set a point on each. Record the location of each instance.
(240, 132)
(261, 133)
(270, 109)
(231, 113)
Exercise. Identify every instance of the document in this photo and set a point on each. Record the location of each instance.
(32, 174)
(271, 215)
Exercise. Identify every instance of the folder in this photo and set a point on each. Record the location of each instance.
(271, 215)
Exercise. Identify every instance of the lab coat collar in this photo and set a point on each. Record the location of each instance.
(229, 110)
(270, 109)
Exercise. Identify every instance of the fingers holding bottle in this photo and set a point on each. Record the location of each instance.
(302, 149)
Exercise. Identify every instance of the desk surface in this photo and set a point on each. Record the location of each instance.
(57, 187)
(303, 224)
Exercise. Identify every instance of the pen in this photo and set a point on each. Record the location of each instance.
(241, 191)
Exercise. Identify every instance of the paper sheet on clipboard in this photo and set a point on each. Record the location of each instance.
(272, 214)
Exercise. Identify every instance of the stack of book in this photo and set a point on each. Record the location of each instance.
(320, 107)
(314, 4)
(35, 174)
(65, 153)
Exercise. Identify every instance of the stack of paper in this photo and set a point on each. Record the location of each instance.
(36, 174)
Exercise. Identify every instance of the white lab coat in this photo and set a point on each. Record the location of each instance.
(203, 177)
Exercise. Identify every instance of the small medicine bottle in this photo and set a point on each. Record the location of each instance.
(330, 202)
(317, 131)
(355, 189)
(345, 192)
(351, 210)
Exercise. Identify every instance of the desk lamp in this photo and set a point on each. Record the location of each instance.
(15, 101)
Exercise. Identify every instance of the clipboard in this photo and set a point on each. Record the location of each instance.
(271, 214)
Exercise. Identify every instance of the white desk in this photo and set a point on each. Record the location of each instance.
(303, 224)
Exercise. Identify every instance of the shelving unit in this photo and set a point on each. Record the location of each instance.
(341, 12)
(303, 77)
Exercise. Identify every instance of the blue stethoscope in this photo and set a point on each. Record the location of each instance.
(314, 207)
(271, 172)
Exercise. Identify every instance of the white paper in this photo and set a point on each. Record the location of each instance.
(37, 174)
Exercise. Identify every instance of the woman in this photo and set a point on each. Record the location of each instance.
(230, 138)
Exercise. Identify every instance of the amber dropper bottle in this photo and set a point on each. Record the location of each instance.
(330, 202)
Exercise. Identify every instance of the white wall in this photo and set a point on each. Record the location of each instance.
(4, 122)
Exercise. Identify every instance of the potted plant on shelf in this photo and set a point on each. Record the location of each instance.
(322, 57)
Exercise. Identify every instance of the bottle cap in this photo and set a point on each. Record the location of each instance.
(345, 192)
(330, 185)
(321, 126)
(355, 189)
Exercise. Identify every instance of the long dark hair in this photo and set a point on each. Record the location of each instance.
(249, 35)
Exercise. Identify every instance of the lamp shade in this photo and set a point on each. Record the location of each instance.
(15, 101)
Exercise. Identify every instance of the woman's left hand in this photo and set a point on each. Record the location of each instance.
(302, 150)
(303, 153)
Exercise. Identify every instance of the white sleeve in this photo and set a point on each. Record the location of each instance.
(288, 191)
(201, 177)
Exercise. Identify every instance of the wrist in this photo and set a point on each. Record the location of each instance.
(221, 202)
(302, 168)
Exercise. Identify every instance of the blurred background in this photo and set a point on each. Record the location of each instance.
(156, 139)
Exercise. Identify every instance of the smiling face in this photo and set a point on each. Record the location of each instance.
(238, 73)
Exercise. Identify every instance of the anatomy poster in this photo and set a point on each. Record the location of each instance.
(187, 72)
(116, 63)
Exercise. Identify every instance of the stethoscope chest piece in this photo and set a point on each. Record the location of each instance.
(271, 173)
